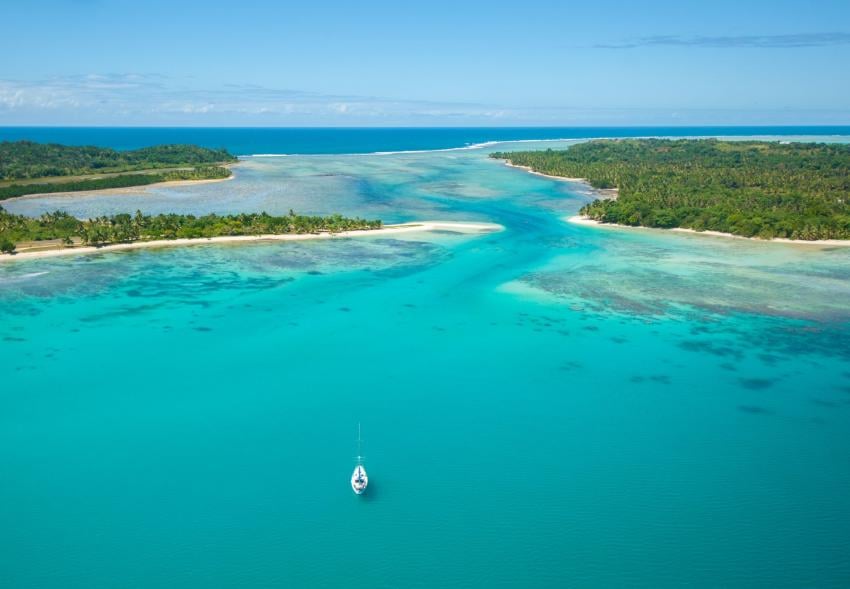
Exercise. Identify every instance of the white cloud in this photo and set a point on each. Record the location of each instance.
(791, 41)
(152, 99)
(149, 99)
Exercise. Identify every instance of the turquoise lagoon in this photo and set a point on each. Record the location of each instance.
(549, 406)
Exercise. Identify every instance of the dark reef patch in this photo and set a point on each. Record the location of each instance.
(128, 311)
(656, 378)
(769, 359)
(569, 365)
(701, 346)
(754, 410)
(825, 403)
(756, 384)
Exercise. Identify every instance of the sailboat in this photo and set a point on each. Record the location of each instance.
(359, 478)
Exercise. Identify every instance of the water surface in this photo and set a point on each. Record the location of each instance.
(550, 406)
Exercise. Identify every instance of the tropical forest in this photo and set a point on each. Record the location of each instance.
(27, 167)
(125, 228)
(763, 189)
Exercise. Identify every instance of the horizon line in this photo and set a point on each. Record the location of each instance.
(436, 127)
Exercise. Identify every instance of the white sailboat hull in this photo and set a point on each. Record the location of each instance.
(359, 480)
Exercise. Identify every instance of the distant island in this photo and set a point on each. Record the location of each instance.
(760, 189)
(37, 168)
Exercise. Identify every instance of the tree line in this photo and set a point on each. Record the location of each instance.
(28, 159)
(120, 181)
(123, 228)
(750, 188)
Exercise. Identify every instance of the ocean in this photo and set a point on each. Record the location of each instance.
(296, 140)
(549, 406)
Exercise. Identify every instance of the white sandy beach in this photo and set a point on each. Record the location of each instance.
(604, 193)
(531, 171)
(419, 227)
(582, 220)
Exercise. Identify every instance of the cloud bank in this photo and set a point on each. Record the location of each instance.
(792, 41)
(155, 99)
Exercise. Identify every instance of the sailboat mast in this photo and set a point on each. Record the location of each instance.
(359, 479)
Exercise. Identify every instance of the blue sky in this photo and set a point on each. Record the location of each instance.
(531, 62)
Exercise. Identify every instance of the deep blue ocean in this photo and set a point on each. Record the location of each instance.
(247, 141)
(553, 405)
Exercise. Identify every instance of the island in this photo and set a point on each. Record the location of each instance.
(59, 229)
(60, 234)
(760, 189)
(29, 168)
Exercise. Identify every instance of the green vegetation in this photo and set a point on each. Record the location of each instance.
(23, 161)
(749, 188)
(121, 181)
(126, 228)
(26, 159)
(69, 168)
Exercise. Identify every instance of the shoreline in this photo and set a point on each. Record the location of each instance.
(604, 193)
(550, 176)
(119, 190)
(413, 227)
(491, 143)
(584, 220)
